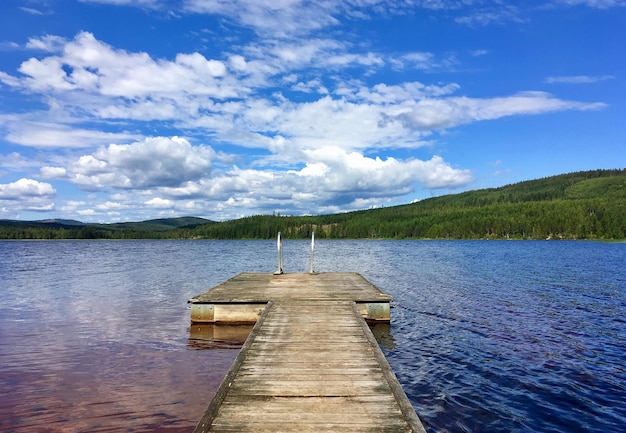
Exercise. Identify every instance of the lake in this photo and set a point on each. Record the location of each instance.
(485, 336)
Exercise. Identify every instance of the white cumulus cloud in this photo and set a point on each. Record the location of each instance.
(25, 188)
(160, 203)
(89, 65)
(26, 194)
(153, 162)
(53, 172)
(331, 177)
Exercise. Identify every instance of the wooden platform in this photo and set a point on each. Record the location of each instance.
(310, 363)
(242, 298)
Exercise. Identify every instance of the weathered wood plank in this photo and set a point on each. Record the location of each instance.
(314, 410)
(261, 287)
(315, 365)
(310, 364)
(310, 370)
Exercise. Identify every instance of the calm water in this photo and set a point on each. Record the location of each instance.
(485, 336)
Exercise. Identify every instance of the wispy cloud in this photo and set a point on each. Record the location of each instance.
(31, 11)
(479, 53)
(423, 61)
(450, 112)
(578, 79)
(41, 134)
(9, 46)
(139, 3)
(269, 17)
(47, 43)
(497, 14)
(598, 4)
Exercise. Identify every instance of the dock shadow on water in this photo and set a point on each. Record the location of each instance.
(211, 336)
(382, 334)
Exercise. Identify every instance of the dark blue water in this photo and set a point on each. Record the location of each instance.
(485, 336)
(512, 336)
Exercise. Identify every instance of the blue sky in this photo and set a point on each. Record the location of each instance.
(126, 110)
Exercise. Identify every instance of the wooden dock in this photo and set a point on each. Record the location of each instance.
(242, 298)
(310, 363)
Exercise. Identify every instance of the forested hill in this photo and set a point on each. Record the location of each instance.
(582, 205)
(70, 229)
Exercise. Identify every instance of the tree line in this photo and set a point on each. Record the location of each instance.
(582, 205)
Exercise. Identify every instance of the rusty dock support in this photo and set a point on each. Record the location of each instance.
(310, 363)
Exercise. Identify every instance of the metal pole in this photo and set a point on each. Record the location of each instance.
(279, 244)
(312, 271)
(281, 253)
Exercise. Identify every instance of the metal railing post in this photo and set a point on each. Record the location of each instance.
(312, 271)
(279, 244)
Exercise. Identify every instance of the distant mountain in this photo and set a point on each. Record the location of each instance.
(161, 224)
(50, 224)
(71, 229)
(62, 222)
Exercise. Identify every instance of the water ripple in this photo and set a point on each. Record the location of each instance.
(485, 336)
(491, 350)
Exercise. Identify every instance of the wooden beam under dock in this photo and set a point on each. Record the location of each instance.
(310, 363)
